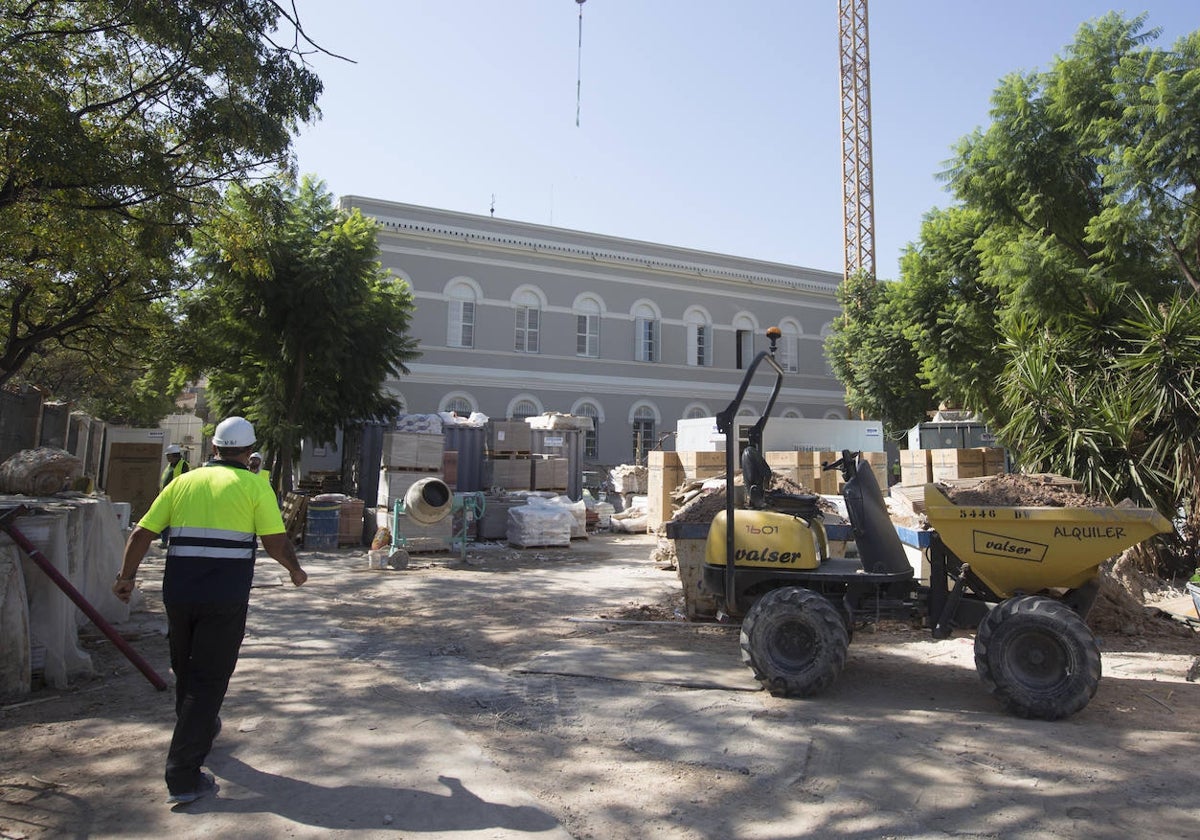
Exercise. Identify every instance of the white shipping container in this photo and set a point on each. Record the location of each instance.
(783, 434)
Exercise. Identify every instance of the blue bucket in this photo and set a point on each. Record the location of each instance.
(321, 526)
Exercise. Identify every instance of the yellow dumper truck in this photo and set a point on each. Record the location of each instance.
(1023, 577)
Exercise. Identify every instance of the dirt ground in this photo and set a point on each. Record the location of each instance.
(570, 675)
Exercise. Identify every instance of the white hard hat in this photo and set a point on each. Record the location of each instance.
(254, 455)
(234, 432)
(174, 449)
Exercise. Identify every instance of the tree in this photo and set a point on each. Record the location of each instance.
(295, 324)
(1058, 297)
(122, 122)
(873, 358)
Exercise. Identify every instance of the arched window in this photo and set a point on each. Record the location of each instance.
(645, 427)
(699, 337)
(789, 346)
(525, 405)
(528, 308)
(458, 404)
(591, 437)
(587, 326)
(523, 409)
(695, 411)
(460, 313)
(645, 332)
(744, 329)
(826, 331)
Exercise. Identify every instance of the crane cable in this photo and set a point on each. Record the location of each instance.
(579, 62)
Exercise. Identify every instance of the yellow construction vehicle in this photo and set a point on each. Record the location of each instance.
(1023, 577)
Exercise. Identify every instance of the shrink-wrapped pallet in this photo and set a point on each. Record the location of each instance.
(539, 524)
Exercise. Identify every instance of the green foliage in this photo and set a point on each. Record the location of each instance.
(872, 357)
(296, 324)
(1058, 296)
(122, 121)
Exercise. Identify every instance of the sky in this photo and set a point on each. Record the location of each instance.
(705, 124)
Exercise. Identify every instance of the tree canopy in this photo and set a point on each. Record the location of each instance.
(123, 121)
(295, 323)
(1057, 296)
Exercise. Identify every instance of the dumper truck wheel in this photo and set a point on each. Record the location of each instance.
(1037, 657)
(795, 641)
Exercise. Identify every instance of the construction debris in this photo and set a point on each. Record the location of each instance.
(39, 472)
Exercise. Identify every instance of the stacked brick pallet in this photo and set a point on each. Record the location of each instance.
(407, 458)
(805, 468)
(666, 471)
(508, 462)
(920, 466)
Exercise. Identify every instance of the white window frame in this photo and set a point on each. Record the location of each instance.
(788, 353)
(591, 437)
(699, 351)
(644, 424)
(528, 325)
(461, 310)
(587, 334)
(645, 339)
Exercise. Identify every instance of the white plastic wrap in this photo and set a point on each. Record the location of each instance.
(428, 423)
(539, 523)
(53, 630)
(629, 478)
(578, 510)
(14, 626)
(81, 538)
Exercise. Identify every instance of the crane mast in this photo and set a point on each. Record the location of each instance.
(858, 190)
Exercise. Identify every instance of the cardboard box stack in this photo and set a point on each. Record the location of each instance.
(916, 467)
(664, 475)
(879, 466)
(702, 465)
(957, 463)
(507, 461)
(825, 482)
(407, 458)
(548, 473)
(792, 465)
(994, 461)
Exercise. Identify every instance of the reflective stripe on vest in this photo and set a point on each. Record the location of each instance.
(210, 544)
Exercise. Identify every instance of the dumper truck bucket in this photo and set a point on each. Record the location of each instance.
(1030, 549)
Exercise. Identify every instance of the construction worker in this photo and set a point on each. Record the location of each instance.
(256, 462)
(177, 465)
(214, 514)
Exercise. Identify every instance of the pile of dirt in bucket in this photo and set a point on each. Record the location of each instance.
(1017, 490)
(705, 504)
(1120, 609)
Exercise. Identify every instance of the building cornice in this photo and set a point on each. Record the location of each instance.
(531, 242)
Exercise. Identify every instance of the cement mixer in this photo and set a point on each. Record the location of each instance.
(419, 519)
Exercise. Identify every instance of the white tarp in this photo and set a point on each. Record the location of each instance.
(80, 537)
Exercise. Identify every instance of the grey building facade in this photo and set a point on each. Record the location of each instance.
(514, 319)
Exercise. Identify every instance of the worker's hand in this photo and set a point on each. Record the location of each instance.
(299, 577)
(123, 589)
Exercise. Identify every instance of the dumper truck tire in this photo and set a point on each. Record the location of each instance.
(1037, 657)
(795, 642)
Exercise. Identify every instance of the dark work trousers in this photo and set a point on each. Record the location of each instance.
(204, 641)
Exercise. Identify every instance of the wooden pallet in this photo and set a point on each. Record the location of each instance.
(295, 512)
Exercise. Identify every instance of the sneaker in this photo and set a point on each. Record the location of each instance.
(206, 786)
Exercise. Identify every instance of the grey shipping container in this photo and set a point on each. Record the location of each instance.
(469, 443)
(563, 443)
